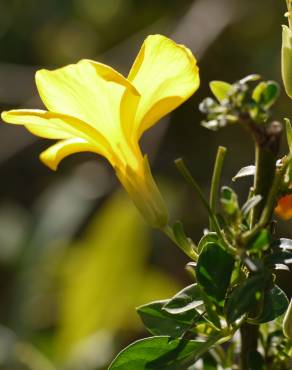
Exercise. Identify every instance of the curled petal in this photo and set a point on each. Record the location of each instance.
(51, 125)
(89, 91)
(57, 152)
(165, 74)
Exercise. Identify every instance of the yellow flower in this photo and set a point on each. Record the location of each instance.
(92, 107)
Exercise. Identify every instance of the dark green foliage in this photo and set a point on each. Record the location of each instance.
(160, 322)
(245, 297)
(214, 270)
(157, 353)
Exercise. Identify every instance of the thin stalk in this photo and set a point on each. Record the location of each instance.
(265, 173)
(289, 6)
(216, 182)
(189, 178)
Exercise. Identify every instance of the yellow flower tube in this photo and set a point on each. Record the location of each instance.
(286, 59)
(92, 107)
(286, 52)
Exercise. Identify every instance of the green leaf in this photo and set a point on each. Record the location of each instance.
(288, 133)
(258, 91)
(184, 242)
(266, 93)
(157, 353)
(211, 311)
(214, 270)
(187, 299)
(275, 304)
(245, 297)
(160, 322)
(220, 89)
(229, 200)
(260, 242)
(249, 78)
(212, 125)
(270, 94)
(245, 171)
(250, 204)
(207, 238)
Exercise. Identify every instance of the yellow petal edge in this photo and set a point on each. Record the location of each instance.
(92, 107)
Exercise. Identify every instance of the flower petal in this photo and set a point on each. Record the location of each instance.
(165, 74)
(284, 207)
(56, 153)
(51, 125)
(87, 90)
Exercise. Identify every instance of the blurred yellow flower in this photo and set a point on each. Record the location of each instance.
(92, 107)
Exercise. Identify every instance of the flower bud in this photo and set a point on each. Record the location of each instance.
(287, 322)
(287, 59)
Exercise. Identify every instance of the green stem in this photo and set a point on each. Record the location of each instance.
(288, 2)
(189, 178)
(270, 203)
(249, 343)
(186, 248)
(266, 184)
(265, 173)
(216, 181)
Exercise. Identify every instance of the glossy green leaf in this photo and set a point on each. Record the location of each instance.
(160, 322)
(211, 311)
(287, 322)
(260, 242)
(244, 172)
(187, 299)
(249, 78)
(210, 237)
(214, 270)
(266, 93)
(184, 242)
(245, 297)
(270, 94)
(220, 89)
(275, 304)
(229, 200)
(258, 91)
(157, 353)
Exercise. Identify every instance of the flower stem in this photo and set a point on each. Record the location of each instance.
(265, 172)
(289, 6)
(216, 181)
(266, 184)
(185, 247)
(189, 178)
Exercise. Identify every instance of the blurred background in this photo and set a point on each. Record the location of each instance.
(75, 256)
